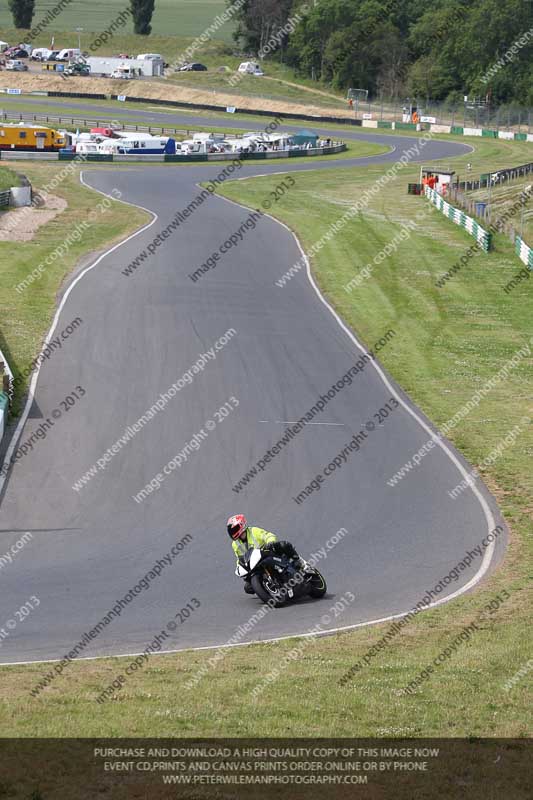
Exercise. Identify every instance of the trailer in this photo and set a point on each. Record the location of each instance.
(147, 68)
(250, 68)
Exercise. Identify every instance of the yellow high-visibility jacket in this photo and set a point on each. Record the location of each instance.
(255, 537)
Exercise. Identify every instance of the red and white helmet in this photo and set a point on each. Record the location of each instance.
(236, 526)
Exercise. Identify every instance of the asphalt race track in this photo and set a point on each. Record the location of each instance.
(140, 334)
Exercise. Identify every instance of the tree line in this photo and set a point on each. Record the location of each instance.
(426, 49)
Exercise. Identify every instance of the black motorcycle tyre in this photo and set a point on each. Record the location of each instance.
(318, 586)
(263, 594)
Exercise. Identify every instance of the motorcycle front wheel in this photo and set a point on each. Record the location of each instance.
(318, 586)
(268, 591)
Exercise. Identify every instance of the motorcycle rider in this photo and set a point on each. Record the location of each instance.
(244, 536)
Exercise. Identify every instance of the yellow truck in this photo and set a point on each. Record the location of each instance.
(30, 137)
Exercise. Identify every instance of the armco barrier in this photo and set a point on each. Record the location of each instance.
(87, 156)
(148, 159)
(524, 252)
(177, 159)
(91, 96)
(99, 157)
(460, 218)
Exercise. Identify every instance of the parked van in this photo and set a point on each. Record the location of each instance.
(40, 54)
(68, 53)
(16, 66)
(124, 73)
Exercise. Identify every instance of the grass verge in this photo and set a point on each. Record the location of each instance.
(451, 341)
(8, 178)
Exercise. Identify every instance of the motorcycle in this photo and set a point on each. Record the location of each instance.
(276, 580)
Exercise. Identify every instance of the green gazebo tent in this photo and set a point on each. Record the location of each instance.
(304, 137)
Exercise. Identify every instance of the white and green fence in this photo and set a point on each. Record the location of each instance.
(459, 218)
(457, 130)
(524, 252)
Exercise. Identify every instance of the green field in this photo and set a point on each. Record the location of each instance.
(450, 342)
(171, 17)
